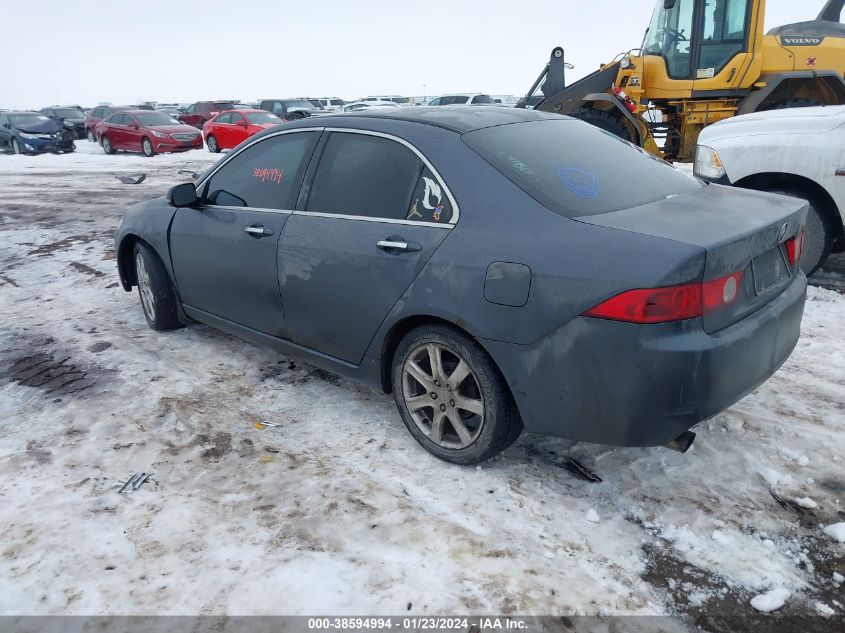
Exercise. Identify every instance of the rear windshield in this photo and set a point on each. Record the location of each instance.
(576, 169)
(259, 118)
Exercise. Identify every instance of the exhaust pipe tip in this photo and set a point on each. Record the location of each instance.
(682, 443)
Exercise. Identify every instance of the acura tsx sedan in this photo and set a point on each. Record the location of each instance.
(493, 268)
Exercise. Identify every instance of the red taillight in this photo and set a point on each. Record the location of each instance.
(673, 303)
(794, 248)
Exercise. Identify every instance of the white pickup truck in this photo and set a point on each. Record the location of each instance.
(798, 152)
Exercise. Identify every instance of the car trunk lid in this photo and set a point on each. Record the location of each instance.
(740, 231)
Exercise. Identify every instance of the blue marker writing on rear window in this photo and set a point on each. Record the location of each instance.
(584, 184)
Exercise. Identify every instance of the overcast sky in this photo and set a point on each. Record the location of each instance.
(93, 51)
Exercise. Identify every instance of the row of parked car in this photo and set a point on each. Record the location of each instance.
(170, 127)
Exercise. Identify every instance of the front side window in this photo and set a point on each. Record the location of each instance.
(366, 176)
(191, 109)
(156, 118)
(262, 118)
(724, 33)
(278, 107)
(434, 102)
(482, 99)
(454, 100)
(266, 175)
(668, 36)
(235, 118)
(546, 159)
(224, 118)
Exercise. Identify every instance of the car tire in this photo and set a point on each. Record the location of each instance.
(92, 138)
(147, 147)
(429, 400)
(106, 145)
(818, 234)
(158, 299)
(213, 146)
(602, 120)
(16, 147)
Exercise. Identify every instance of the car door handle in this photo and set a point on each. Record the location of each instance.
(398, 244)
(256, 230)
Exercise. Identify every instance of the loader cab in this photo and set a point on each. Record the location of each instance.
(698, 38)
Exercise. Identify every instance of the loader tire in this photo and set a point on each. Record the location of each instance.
(602, 120)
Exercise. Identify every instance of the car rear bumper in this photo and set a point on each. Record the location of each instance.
(624, 384)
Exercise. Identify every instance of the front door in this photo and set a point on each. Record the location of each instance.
(374, 216)
(224, 253)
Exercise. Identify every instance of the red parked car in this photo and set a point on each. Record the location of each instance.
(198, 113)
(147, 131)
(229, 129)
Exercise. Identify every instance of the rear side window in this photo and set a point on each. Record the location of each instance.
(454, 100)
(483, 99)
(366, 176)
(266, 175)
(576, 169)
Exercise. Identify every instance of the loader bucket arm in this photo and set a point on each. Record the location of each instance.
(571, 98)
(832, 11)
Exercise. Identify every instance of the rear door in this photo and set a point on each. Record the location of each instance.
(375, 214)
(224, 253)
(116, 131)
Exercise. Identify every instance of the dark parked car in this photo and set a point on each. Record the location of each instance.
(483, 267)
(147, 131)
(290, 109)
(72, 117)
(198, 113)
(34, 133)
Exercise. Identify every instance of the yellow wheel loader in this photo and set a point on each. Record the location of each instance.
(702, 61)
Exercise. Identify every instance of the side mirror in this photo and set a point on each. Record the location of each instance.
(243, 124)
(182, 195)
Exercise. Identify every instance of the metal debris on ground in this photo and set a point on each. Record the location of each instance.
(134, 482)
(194, 175)
(579, 470)
(261, 425)
(133, 179)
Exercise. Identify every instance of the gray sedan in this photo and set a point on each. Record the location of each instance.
(493, 268)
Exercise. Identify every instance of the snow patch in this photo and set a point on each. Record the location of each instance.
(771, 600)
(836, 531)
(592, 516)
(806, 502)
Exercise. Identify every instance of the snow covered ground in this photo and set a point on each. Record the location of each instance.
(335, 509)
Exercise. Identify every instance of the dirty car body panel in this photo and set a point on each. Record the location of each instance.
(525, 258)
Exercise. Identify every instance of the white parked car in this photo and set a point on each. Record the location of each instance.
(798, 152)
(397, 99)
(369, 105)
(329, 104)
(469, 98)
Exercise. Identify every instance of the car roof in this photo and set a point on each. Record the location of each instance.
(20, 112)
(245, 110)
(458, 119)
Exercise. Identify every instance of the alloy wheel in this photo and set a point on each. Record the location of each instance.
(91, 137)
(443, 396)
(147, 147)
(212, 144)
(16, 148)
(145, 287)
